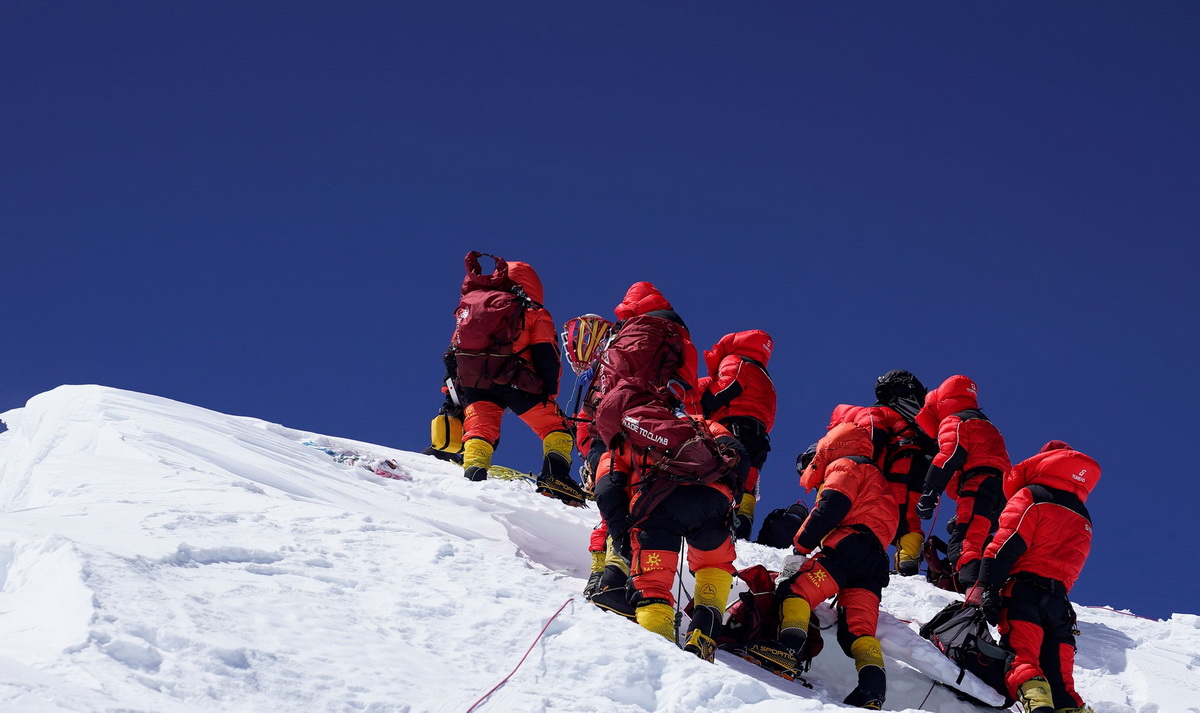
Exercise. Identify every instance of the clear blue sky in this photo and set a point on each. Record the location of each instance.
(262, 208)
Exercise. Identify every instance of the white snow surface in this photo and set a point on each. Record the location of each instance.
(157, 556)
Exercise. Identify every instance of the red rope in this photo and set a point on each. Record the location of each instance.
(510, 673)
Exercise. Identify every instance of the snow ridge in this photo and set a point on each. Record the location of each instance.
(157, 556)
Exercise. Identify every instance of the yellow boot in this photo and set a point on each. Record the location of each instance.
(555, 480)
(1035, 696)
(872, 682)
(908, 554)
(743, 517)
(708, 611)
(612, 559)
(558, 442)
(595, 574)
(712, 588)
(477, 458)
(659, 618)
(794, 614)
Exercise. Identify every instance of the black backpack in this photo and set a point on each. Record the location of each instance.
(961, 632)
(780, 526)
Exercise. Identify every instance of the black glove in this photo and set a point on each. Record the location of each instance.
(632, 595)
(991, 606)
(735, 456)
(987, 599)
(620, 542)
(741, 526)
(927, 504)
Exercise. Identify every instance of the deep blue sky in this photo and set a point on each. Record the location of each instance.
(262, 208)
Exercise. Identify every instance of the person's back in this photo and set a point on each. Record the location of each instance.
(1045, 529)
(739, 394)
(504, 354)
(650, 342)
(1030, 565)
(902, 452)
(843, 465)
(852, 522)
(643, 299)
(669, 479)
(970, 462)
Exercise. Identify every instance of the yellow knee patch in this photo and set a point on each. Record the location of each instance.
(1035, 693)
(794, 614)
(910, 546)
(712, 588)
(477, 453)
(558, 442)
(866, 652)
(659, 618)
(611, 557)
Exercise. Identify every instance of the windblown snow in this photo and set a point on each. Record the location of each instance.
(156, 556)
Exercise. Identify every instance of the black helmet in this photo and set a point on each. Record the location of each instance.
(899, 384)
(805, 458)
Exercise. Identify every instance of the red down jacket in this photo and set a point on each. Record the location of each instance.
(1046, 532)
(892, 436)
(852, 493)
(966, 440)
(738, 383)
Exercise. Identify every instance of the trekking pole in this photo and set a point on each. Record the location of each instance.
(679, 592)
(927, 695)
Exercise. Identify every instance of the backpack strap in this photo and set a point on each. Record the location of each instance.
(1062, 498)
(972, 414)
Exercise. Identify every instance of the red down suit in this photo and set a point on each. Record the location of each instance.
(896, 452)
(739, 393)
(642, 299)
(853, 521)
(536, 352)
(970, 462)
(695, 513)
(1043, 540)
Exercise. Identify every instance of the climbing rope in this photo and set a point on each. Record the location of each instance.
(510, 673)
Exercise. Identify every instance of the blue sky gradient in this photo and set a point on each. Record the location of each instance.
(262, 208)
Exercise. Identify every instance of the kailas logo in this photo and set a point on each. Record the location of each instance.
(462, 314)
(1079, 476)
(631, 424)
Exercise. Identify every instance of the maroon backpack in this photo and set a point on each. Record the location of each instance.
(489, 319)
(680, 449)
(646, 347)
(755, 616)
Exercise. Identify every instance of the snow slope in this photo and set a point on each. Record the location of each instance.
(156, 556)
